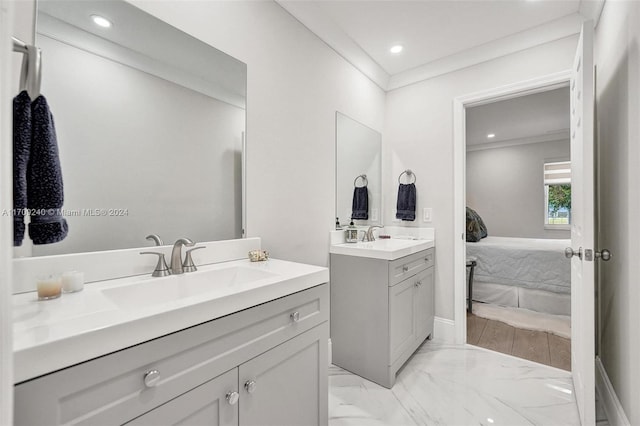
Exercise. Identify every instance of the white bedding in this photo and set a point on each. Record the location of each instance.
(523, 262)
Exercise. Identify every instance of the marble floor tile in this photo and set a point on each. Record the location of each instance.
(456, 385)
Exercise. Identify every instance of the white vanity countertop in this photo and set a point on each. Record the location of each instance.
(386, 249)
(105, 317)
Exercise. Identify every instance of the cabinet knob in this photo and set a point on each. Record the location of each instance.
(295, 317)
(419, 282)
(151, 378)
(405, 268)
(250, 386)
(232, 397)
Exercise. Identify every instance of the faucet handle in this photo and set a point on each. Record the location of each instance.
(155, 238)
(162, 270)
(188, 265)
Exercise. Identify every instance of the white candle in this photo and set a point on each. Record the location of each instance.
(49, 286)
(72, 281)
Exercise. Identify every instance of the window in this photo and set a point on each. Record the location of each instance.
(557, 194)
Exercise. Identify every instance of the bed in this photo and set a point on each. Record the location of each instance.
(522, 272)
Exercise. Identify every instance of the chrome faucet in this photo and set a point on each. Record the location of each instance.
(176, 255)
(369, 234)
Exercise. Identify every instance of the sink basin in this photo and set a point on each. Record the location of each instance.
(388, 249)
(157, 291)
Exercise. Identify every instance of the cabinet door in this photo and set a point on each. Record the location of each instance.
(402, 332)
(205, 405)
(424, 307)
(287, 385)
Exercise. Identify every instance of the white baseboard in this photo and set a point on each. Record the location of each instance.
(444, 330)
(608, 397)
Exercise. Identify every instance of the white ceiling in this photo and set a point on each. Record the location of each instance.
(532, 118)
(438, 35)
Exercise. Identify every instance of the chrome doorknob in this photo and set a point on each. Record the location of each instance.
(151, 378)
(250, 386)
(232, 397)
(604, 254)
(569, 253)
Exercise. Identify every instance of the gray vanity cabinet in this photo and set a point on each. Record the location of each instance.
(203, 372)
(204, 405)
(381, 311)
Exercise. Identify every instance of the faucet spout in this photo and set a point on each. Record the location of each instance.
(176, 255)
(369, 235)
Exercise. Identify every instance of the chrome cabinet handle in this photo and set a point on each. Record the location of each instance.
(250, 386)
(232, 397)
(569, 253)
(405, 268)
(151, 378)
(295, 317)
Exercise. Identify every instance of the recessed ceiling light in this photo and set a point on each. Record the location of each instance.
(101, 21)
(396, 49)
(491, 135)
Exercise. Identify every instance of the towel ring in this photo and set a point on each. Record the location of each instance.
(365, 182)
(409, 174)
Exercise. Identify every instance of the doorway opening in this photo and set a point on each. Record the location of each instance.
(518, 212)
(512, 149)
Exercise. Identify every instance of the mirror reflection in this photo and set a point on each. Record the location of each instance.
(150, 124)
(358, 172)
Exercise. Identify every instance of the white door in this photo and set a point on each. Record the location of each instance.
(583, 227)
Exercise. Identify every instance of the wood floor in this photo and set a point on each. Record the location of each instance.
(537, 346)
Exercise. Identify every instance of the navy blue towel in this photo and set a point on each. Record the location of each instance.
(21, 147)
(44, 178)
(406, 205)
(360, 203)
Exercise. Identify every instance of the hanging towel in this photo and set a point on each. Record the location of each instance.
(44, 178)
(21, 147)
(406, 205)
(360, 203)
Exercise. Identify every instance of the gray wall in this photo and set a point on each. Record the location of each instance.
(618, 136)
(505, 186)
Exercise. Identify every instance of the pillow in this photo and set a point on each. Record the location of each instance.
(476, 229)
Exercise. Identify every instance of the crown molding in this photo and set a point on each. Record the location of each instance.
(555, 30)
(554, 136)
(316, 21)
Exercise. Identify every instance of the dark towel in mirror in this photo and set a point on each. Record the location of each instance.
(406, 205)
(44, 178)
(360, 203)
(21, 146)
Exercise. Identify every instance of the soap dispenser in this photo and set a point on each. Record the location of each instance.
(351, 233)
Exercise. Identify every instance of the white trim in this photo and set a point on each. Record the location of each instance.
(6, 222)
(612, 407)
(535, 85)
(444, 330)
(558, 136)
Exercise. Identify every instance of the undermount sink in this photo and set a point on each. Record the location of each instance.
(389, 249)
(157, 291)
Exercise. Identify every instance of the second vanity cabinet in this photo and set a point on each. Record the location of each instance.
(266, 365)
(381, 311)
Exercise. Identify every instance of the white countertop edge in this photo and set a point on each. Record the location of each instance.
(36, 360)
(347, 249)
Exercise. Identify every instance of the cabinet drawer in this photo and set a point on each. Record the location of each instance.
(111, 389)
(405, 267)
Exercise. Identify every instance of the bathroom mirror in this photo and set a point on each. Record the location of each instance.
(358, 153)
(150, 124)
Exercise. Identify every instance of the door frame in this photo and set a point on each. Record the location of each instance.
(514, 90)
